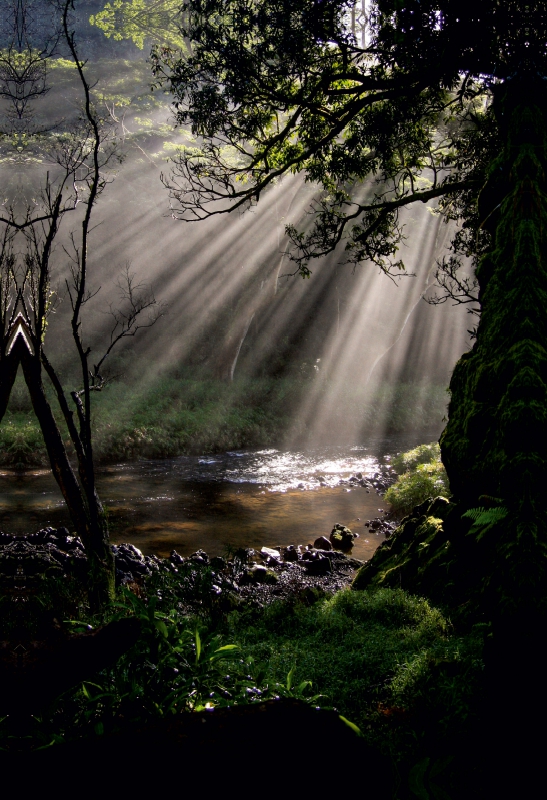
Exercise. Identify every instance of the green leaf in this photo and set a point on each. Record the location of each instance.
(162, 628)
(290, 676)
(350, 724)
(416, 779)
(198, 645)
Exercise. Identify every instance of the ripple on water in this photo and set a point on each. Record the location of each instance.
(254, 498)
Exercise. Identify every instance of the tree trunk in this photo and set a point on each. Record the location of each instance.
(8, 371)
(494, 443)
(88, 519)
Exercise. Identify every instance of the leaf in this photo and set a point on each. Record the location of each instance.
(226, 647)
(162, 628)
(484, 519)
(290, 676)
(416, 779)
(198, 645)
(350, 724)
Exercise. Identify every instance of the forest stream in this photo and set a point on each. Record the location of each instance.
(237, 499)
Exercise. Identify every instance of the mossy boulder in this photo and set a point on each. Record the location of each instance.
(341, 537)
(429, 554)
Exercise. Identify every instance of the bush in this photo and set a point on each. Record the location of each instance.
(423, 476)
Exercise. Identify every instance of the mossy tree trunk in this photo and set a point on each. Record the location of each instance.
(494, 442)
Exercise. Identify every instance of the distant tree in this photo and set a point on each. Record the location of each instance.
(440, 101)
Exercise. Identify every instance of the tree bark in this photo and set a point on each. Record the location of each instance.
(494, 442)
(86, 513)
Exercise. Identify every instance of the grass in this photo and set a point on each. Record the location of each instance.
(184, 414)
(421, 476)
(387, 661)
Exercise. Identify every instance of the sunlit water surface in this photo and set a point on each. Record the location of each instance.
(239, 499)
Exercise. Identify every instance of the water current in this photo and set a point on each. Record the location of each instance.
(248, 498)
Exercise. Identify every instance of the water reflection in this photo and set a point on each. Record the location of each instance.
(245, 498)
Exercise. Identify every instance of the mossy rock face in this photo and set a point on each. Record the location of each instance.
(430, 554)
(416, 557)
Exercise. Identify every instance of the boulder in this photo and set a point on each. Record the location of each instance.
(341, 537)
(322, 543)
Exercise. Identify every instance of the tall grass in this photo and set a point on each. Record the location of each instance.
(176, 415)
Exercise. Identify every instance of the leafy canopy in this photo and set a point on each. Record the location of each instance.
(281, 86)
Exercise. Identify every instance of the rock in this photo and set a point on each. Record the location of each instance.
(258, 574)
(311, 594)
(319, 566)
(322, 543)
(341, 537)
(176, 558)
(291, 553)
(199, 557)
(218, 563)
(269, 552)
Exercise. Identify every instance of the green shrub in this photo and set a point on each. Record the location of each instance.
(423, 454)
(423, 476)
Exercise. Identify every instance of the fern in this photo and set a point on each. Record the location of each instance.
(484, 519)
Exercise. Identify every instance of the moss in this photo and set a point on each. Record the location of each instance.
(494, 441)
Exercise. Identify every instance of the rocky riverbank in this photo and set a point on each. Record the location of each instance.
(245, 575)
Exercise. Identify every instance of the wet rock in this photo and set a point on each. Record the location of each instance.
(218, 563)
(291, 553)
(176, 558)
(258, 574)
(319, 566)
(199, 557)
(131, 563)
(341, 537)
(269, 552)
(322, 543)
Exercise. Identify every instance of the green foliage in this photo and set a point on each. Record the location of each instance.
(423, 477)
(423, 454)
(140, 21)
(484, 519)
(173, 416)
(377, 124)
(21, 441)
(365, 653)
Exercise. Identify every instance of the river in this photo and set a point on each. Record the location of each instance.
(247, 498)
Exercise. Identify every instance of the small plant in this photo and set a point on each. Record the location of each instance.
(423, 454)
(423, 476)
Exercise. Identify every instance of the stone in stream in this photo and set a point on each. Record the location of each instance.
(341, 537)
(269, 553)
(322, 543)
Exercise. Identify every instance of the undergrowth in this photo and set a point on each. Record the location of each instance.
(385, 660)
(179, 415)
(421, 475)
